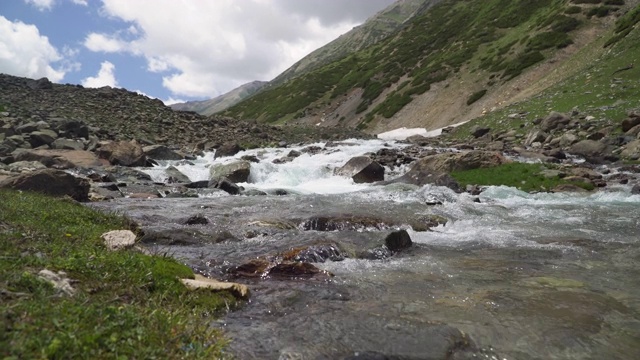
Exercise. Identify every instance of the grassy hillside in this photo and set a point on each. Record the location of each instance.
(606, 88)
(475, 48)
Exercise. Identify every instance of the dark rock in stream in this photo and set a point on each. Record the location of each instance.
(398, 240)
(362, 170)
(343, 223)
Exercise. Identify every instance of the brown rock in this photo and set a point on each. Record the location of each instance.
(50, 182)
(62, 159)
(362, 170)
(123, 153)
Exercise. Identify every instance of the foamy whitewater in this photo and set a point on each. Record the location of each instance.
(511, 275)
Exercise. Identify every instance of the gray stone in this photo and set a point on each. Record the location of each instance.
(553, 121)
(238, 171)
(588, 148)
(67, 144)
(119, 239)
(631, 150)
(398, 240)
(161, 152)
(362, 170)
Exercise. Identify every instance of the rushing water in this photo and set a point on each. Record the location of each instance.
(513, 276)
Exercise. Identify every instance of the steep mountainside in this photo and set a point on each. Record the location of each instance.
(457, 61)
(372, 31)
(222, 102)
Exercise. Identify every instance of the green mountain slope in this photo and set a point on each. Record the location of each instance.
(458, 60)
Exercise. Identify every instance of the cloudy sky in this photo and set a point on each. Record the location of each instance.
(174, 50)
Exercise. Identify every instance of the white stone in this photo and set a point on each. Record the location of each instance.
(201, 282)
(119, 239)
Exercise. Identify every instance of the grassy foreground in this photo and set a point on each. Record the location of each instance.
(126, 304)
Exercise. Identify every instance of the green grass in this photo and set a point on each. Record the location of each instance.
(594, 89)
(126, 305)
(523, 176)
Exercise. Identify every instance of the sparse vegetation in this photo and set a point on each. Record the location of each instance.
(526, 177)
(126, 304)
(476, 96)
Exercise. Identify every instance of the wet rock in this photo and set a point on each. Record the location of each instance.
(176, 176)
(198, 219)
(197, 184)
(398, 240)
(296, 270)
(635, 190)
(425, 223)
(362, 170)
(225, 185)
(50, 182)
(123, 153)
(172, 237)
(228, 149)
(448, 162)
(161, 152)
(236, 172)
(253, 268)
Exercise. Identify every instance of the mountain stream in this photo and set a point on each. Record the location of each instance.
(511, 275)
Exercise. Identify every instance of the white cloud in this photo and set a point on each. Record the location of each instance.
(24, 52)
(104, 43)
(80, 2)
(41, 5)
(209, 47)
(105, 77)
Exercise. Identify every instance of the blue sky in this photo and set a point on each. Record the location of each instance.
(174, 50)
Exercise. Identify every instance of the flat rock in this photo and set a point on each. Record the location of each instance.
(200, 282)
(119, 239)
(61, 159)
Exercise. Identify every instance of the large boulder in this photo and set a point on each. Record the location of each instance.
(123, 153)
(553, 121)
(448, 162)
(630, 122)
(362, 170)
(42, 137)
(51, 182)
(235, 172)
(589, 149)
(161, 152)
(61, 159)
(632, 150)
(227, 149)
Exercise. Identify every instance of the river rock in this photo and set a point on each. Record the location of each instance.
(161, 152)
(630, 122)
(631, 150)
(362, 170)
(176, 176)
(398, 240)
(67, 144)
(553, 121)
(236, 172)
(50, 182)
(42, 137)
(228, 149)
(61, 159)
(588, 149)
(448, 162)
(123, 153)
